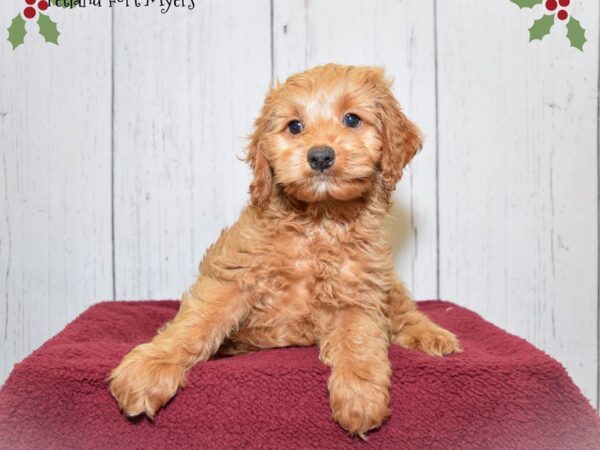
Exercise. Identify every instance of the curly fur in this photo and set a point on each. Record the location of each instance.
(308, 261)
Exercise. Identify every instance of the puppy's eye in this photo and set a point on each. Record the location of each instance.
(351, 120)
(295, 127)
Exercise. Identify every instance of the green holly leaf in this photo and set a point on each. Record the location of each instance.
(576, 33)
(524, 3)
(48, 29)
(17, 31)
(541, 27)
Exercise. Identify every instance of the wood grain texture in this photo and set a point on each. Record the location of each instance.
(398, 35)
(55, 239)
(187, 89)
(518, 175)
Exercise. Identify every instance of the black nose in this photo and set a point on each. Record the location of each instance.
(321, 158)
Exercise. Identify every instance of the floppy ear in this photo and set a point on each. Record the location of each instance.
(262, 181)
(401, 140)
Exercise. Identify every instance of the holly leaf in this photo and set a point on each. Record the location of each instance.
(17, 31)
(576, 33)
(541, 27)
(524, 3)
(48, 29)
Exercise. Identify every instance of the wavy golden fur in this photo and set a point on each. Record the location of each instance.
(308, 261)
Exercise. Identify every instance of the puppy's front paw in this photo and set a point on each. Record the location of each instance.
(359, 406)
(429, 338)
(143, 384)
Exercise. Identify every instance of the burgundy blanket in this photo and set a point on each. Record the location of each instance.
(500, 393)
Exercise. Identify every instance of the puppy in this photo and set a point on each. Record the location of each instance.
(308, 261)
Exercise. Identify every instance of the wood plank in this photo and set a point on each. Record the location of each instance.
(518, 187)
(55, 211)
(187, 90)
(400, 36)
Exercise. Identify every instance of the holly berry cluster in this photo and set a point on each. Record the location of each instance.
(562, 14)
(541, 27)
(30, 12)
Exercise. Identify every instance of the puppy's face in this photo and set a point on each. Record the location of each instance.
(330, 133)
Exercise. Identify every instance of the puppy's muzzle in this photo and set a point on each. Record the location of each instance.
(321, 158)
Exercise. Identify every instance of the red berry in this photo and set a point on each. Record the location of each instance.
(30, 2)
(43, 5)
(564, 3)
(29, 12)
(562, 14)
(551, 5)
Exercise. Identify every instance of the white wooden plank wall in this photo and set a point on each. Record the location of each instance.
(498, 212)
(518, 174)
(183, 110)
(55, 232)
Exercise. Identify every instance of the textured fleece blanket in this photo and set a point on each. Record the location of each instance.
(500, 393)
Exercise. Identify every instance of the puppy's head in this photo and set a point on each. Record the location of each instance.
(330, 133)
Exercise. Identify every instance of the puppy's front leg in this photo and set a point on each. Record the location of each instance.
(151, 373)
(412, 329)
(356, 348)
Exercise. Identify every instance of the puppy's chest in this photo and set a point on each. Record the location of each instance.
(314, 268)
